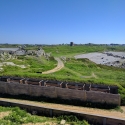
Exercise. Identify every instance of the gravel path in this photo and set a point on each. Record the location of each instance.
(60, 65)
(94, 111)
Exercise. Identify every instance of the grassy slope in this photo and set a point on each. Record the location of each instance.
(33, 65)
(81, 70)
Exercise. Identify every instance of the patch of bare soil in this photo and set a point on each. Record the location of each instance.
(60, 65)
(123, 108)
(3, 114)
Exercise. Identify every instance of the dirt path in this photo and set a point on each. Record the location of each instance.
(94, 111)
(91, 76)
(60, 65)
(80, 75)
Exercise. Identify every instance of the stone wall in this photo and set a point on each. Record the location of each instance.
(93, 119)
(57, 92)
(95, 96)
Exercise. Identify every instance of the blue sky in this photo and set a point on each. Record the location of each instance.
(62, 21)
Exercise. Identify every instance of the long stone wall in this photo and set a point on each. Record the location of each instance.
(55, 92)
(93, 119)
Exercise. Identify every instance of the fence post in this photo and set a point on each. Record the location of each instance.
(51, 112)
(104, 121)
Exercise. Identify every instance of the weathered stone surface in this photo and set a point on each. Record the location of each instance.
(55, 92)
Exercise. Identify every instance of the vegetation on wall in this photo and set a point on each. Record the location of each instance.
(16, 116)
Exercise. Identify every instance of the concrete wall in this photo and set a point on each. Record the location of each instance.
(92, 119)
(54, 92)
(95, 96)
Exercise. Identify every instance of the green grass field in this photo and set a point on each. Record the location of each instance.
(70, 51)
(81, 70)
(33, 65)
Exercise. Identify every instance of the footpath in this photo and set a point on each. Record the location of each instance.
(60, 65)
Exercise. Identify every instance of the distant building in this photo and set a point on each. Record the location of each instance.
(71, 44)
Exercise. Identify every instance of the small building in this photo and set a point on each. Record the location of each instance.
(71, 44)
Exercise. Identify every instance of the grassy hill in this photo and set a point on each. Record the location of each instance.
(80, 70)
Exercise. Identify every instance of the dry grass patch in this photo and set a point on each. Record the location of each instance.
(123, 108)
(3, 114)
